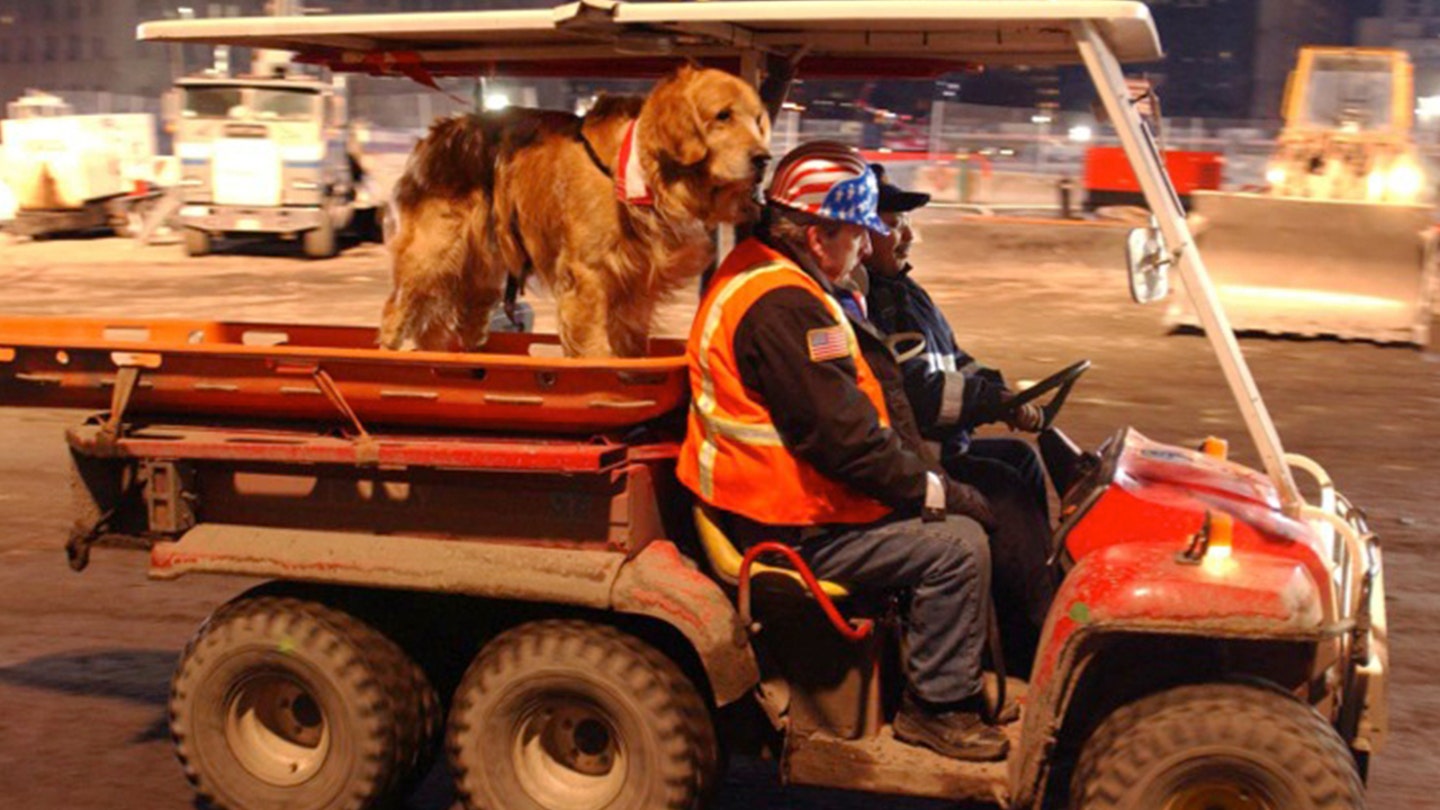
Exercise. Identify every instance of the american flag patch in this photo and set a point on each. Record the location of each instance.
(827, 344)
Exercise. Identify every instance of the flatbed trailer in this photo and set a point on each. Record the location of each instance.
(271, 371)
(287, 426)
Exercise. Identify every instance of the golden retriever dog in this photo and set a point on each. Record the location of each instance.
(613, 211)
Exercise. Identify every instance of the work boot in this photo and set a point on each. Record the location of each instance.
(958, 731)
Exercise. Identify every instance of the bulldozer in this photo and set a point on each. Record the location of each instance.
(1340, 240)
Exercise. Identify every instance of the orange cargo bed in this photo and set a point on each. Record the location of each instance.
(268, 371)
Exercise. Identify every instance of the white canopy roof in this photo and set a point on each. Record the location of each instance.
(861, 38)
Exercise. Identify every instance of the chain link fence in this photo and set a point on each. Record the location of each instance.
(959, 152)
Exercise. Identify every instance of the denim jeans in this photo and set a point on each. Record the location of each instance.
(945, 566)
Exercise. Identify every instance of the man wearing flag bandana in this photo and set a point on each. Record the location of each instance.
(800, 431)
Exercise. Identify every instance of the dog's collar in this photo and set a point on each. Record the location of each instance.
(630, 186)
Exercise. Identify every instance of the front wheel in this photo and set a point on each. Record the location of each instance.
(568, 715)
(319, 242)
(1216, 747)
(197, 242)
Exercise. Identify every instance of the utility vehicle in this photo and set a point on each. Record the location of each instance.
(492, 547)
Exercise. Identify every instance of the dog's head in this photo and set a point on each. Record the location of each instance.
(710, 128)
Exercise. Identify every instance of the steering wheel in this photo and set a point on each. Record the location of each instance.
(1063, 379)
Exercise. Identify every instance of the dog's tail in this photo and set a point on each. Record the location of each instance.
(454, 160)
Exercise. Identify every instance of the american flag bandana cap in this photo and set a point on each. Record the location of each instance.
(830, 180)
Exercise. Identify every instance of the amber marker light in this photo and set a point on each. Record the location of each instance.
(1218, 551)
(1215, 447)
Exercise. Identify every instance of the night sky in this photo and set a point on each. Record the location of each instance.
(1365, 8)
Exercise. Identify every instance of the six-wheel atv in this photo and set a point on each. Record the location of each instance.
(492, 550)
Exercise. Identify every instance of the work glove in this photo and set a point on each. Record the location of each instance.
(963, 499)
(1028, 417)
(985, 401)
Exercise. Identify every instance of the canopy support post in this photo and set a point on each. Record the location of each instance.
(1169, 213)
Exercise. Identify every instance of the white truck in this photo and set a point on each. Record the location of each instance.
(263, 155)
(70, 173)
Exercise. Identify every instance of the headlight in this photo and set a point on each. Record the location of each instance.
(1405, 181)
(1375, 185)
(1275, 175)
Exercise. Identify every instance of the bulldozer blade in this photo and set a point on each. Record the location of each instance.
(1316, 267)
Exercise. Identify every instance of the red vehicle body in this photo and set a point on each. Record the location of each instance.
(1163, 548)
(1110, 180)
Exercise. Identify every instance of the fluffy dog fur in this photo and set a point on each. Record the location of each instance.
(488, 195)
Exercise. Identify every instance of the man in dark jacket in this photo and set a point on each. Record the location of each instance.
(952, 394)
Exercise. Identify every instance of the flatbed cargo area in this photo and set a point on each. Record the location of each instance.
(274, 371)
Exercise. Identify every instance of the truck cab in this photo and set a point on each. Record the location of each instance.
(38, 104)
(263, 155)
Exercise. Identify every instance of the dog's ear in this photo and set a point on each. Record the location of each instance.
(670, 121)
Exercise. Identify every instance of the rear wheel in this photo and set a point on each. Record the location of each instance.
(565, 715)
(282, 702)
(319, 242)
(197, 242)
(1216, 747)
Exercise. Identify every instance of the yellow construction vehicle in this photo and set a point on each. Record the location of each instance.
(1340, 240)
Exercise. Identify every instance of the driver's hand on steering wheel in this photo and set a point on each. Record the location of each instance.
(1028, 417)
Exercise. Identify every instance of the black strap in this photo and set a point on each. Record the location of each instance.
(997, 662)
(513, 284)
(594, 157)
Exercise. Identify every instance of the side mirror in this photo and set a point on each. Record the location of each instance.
(1149, 264)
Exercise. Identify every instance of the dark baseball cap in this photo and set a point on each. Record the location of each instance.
(896, 200)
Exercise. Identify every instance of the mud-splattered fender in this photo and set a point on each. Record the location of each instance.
(663, 585)
(1143, 588)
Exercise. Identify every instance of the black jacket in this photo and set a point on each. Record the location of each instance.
(950, 391)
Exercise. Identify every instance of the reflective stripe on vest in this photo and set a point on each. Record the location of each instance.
(715, 424)
(808, 497)
(704, 404)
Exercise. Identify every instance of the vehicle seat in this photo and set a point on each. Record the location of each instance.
(725, 559)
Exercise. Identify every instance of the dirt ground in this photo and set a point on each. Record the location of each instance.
(85, 659)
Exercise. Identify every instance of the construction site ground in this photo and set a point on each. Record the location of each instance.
(85, 659)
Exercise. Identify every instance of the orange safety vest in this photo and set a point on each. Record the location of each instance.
(733, 457)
